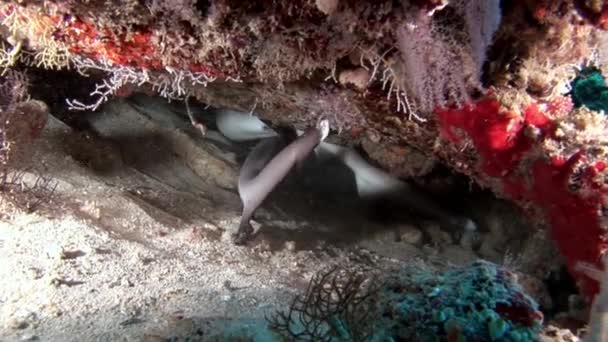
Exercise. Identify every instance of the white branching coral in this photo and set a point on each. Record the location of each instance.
(20, 23)
(385, 70)
(171, 85)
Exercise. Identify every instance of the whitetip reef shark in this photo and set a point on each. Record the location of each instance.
(238, 126)
(373, 183)
(271, 160)
(264, 169)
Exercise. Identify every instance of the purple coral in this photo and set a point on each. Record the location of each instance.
(440, 64)
(432, 69)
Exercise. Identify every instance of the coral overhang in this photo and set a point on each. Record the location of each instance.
(522, 154)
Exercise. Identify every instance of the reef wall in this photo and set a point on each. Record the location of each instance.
(509, 93)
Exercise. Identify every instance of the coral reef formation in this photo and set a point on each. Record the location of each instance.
(479, 302)
(21, 119)
(481, 85)
(21, 122)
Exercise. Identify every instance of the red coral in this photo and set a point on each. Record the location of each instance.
(133, 49)
(502, 144)
(84, 38)
(573, 218)
(497, 136)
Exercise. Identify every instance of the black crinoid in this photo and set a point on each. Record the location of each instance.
(338, 305)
